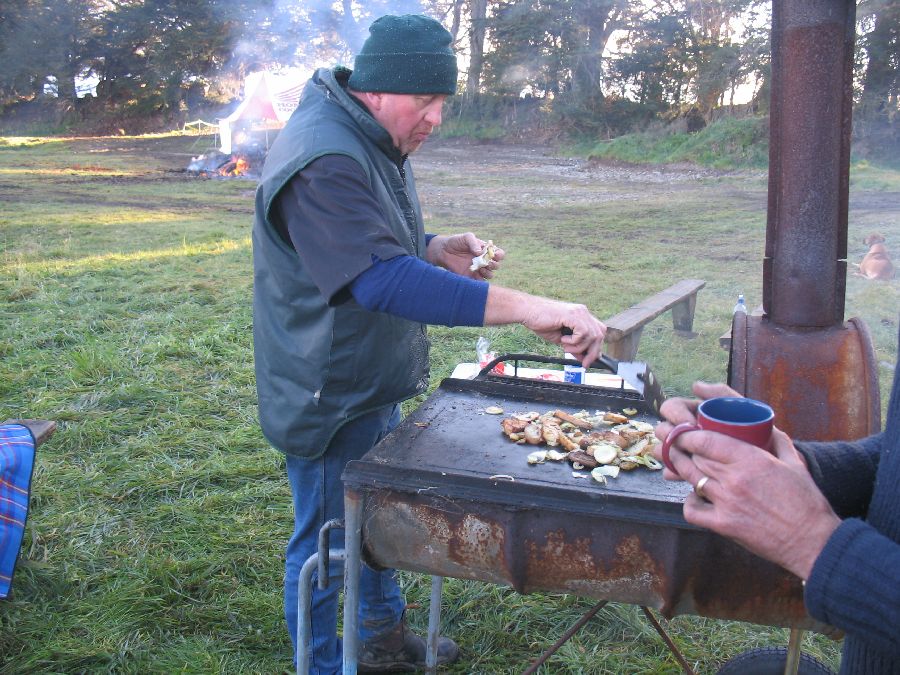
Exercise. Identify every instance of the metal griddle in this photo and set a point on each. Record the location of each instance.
(451, 441)
(448, 494)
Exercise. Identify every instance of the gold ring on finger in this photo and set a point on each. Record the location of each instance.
(698, 488)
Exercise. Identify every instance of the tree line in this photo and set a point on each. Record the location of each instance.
(600, 67)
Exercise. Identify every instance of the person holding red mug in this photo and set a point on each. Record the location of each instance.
(828, 512)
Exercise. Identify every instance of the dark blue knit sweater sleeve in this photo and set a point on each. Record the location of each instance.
(830, 465)
(855, 586)
(414, 289)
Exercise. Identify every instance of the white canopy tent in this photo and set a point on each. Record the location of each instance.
(268, 98)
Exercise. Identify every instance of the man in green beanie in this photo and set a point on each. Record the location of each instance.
(345, 281)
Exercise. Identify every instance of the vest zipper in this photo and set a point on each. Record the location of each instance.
(413, 234)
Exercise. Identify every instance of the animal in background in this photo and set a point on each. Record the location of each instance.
(876, 264)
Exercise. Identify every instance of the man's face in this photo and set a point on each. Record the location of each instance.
(408, 118)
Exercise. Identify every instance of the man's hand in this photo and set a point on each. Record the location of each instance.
(548, 319)
(455, 253)
(678, 410)
(765, 501)
(768, 504)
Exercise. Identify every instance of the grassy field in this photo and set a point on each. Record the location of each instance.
(159, 513)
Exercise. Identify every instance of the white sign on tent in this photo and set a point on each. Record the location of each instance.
(267, 96)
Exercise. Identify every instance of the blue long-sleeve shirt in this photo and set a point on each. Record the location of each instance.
(412, 288)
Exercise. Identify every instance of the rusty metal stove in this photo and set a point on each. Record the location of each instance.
(436, 497)
(817, 371)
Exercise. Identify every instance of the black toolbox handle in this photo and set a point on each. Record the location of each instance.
(603, 362)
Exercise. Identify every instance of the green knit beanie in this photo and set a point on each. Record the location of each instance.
(409, 54)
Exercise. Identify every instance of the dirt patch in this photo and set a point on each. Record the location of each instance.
(459, 180)
(466, 186)
(644, 173)
(544, 159)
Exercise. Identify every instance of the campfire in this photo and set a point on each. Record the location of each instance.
(238, 165)
(245, 162)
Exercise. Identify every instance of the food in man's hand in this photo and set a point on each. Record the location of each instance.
(485, 258)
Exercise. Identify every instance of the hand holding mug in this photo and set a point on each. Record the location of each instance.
(743, 418)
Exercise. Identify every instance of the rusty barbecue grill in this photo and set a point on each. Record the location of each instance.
(448, 495)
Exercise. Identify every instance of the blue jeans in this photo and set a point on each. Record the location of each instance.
(318, 498)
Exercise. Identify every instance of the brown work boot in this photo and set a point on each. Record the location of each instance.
(401, 650)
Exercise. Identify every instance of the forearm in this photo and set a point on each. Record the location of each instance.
(506, 306)
(569, 325)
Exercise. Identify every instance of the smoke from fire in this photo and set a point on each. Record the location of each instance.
(315, 33)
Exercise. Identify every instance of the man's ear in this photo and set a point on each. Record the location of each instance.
(372, 99)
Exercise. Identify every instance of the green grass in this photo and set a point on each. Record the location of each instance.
(866, 175)
(159, 513)
(473, 129)
(726, 143)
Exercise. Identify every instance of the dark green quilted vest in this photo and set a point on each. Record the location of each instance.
(318, 367)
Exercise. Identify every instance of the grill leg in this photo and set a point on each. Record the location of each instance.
(792, 662)
(304, 600)
(533, 668)
(352, 544)
(325, 551)
(669, 642)
(434, 624)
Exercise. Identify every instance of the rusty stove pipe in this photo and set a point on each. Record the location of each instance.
(816, 371)
(805, 268)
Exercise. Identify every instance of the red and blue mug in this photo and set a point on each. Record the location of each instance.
(746, 419)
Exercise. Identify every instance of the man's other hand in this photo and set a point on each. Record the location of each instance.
(455, 253)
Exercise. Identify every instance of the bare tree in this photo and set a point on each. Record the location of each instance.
(477, 31)
(877, 116)
(596, 21)
(457, 17)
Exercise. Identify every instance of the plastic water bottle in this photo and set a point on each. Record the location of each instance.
(740, 306)
(573, 373)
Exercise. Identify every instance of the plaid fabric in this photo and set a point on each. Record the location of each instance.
(16, 463)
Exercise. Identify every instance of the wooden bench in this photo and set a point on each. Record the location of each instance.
(623, 334)
(42, 430)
